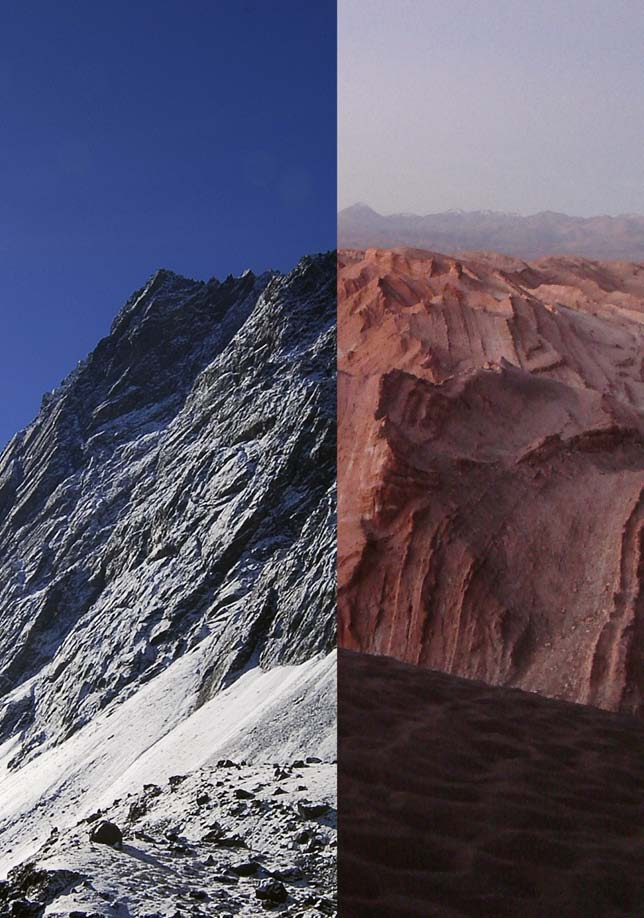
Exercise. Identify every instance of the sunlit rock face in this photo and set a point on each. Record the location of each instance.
(174, 496)
(491, 468)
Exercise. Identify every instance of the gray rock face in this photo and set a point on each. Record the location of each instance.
(177, 487)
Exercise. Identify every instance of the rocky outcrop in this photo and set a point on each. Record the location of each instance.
(491, 469)
(175, 496)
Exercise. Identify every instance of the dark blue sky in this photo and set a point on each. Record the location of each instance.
(197, 136)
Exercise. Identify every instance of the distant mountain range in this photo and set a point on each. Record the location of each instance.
(534, 236)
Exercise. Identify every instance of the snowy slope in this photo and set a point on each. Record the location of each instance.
(281, 714)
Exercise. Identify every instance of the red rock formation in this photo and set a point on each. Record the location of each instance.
(491, 469)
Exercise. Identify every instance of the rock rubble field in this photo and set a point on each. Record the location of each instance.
(235, 839)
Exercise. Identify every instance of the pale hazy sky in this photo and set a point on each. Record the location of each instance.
(520, 105)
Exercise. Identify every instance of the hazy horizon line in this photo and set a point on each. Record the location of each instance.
(490, 211)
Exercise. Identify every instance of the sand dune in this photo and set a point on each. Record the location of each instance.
(459, 799)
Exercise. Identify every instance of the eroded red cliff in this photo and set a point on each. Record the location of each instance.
(491, 468)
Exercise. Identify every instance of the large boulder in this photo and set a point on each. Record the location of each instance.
(107, 833)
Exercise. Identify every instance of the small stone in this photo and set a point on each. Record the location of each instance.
(245, 868)
(224, 877)
(137, 810)
(231, 841)
(290, 873)
(316, 843)
(271, 890)
(312, 810)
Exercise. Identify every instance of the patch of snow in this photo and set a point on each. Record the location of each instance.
(153, 735)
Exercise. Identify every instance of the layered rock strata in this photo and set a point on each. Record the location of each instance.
(491, 468)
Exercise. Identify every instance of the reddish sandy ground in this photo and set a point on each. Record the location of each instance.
(460, 799)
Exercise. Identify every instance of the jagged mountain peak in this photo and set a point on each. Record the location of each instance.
(174, 496)
(359, 207)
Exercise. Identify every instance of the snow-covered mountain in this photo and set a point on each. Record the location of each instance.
(167, 550)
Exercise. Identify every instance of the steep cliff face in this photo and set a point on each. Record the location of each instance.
(174, 497)
(491, 469)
